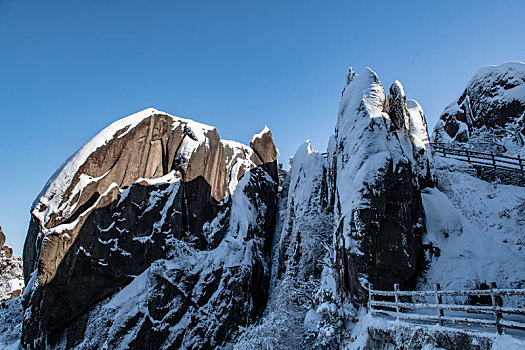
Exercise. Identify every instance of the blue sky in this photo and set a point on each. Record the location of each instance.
(70, 68)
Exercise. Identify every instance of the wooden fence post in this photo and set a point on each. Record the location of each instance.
(396, 297)
(444, 153)
(439, 301)
(468, 157)
(495, 305)
(493, 160)
(521, 165)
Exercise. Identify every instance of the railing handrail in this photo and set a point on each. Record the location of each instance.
(518, 162)
(496, 308)
(459, 149)
(476, 292)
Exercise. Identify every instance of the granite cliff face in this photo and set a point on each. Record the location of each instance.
(376, 183)
(347, 218)
(158, 234)
(491, 109)
(158, 206)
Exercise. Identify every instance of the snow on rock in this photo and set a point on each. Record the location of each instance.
(354, 217)
(375, 186)
(11, 287)
(49, 200)
(147, 188)
(11, 314)
(377, 333)
(422, 152)
(396, 107)
(176, 302)
(11, 278)
(302, 233)
(442, 219)
(265, 150)
(490, 114)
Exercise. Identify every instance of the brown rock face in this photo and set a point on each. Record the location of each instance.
(138, 192)
(2, 238)
(265, 150)
(8, 251)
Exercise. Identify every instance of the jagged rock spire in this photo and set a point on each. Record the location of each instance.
(377, 199)
(350, 75)
(396, 107)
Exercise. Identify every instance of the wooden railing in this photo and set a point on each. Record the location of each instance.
(481, 158)
(398, 308)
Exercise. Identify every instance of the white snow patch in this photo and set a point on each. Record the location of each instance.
(492, 221)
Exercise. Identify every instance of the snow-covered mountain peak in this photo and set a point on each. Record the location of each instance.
(512, 73)
(304, 150)
(489, 115)
(365, 95)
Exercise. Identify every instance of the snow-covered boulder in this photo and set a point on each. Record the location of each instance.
(11, 279)
(376, 186)
(490, 109)
(150, 191)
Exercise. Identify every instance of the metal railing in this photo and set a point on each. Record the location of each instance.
(481, 158)
(398, 308)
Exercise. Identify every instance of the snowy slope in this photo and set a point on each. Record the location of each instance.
(11, 315)
(479, 228)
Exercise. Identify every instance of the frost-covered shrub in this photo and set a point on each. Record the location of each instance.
(333, 318)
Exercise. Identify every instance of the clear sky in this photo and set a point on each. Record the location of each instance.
(70, 68)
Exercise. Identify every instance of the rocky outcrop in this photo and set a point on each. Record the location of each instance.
(2, 238)
(490, 109)
(302, 233)
(151, 190)
(11, 280)
(378, 161)
(353, 218)
(262, 144)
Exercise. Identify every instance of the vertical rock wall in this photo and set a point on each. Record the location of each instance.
(379, 161)
(151, 190)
